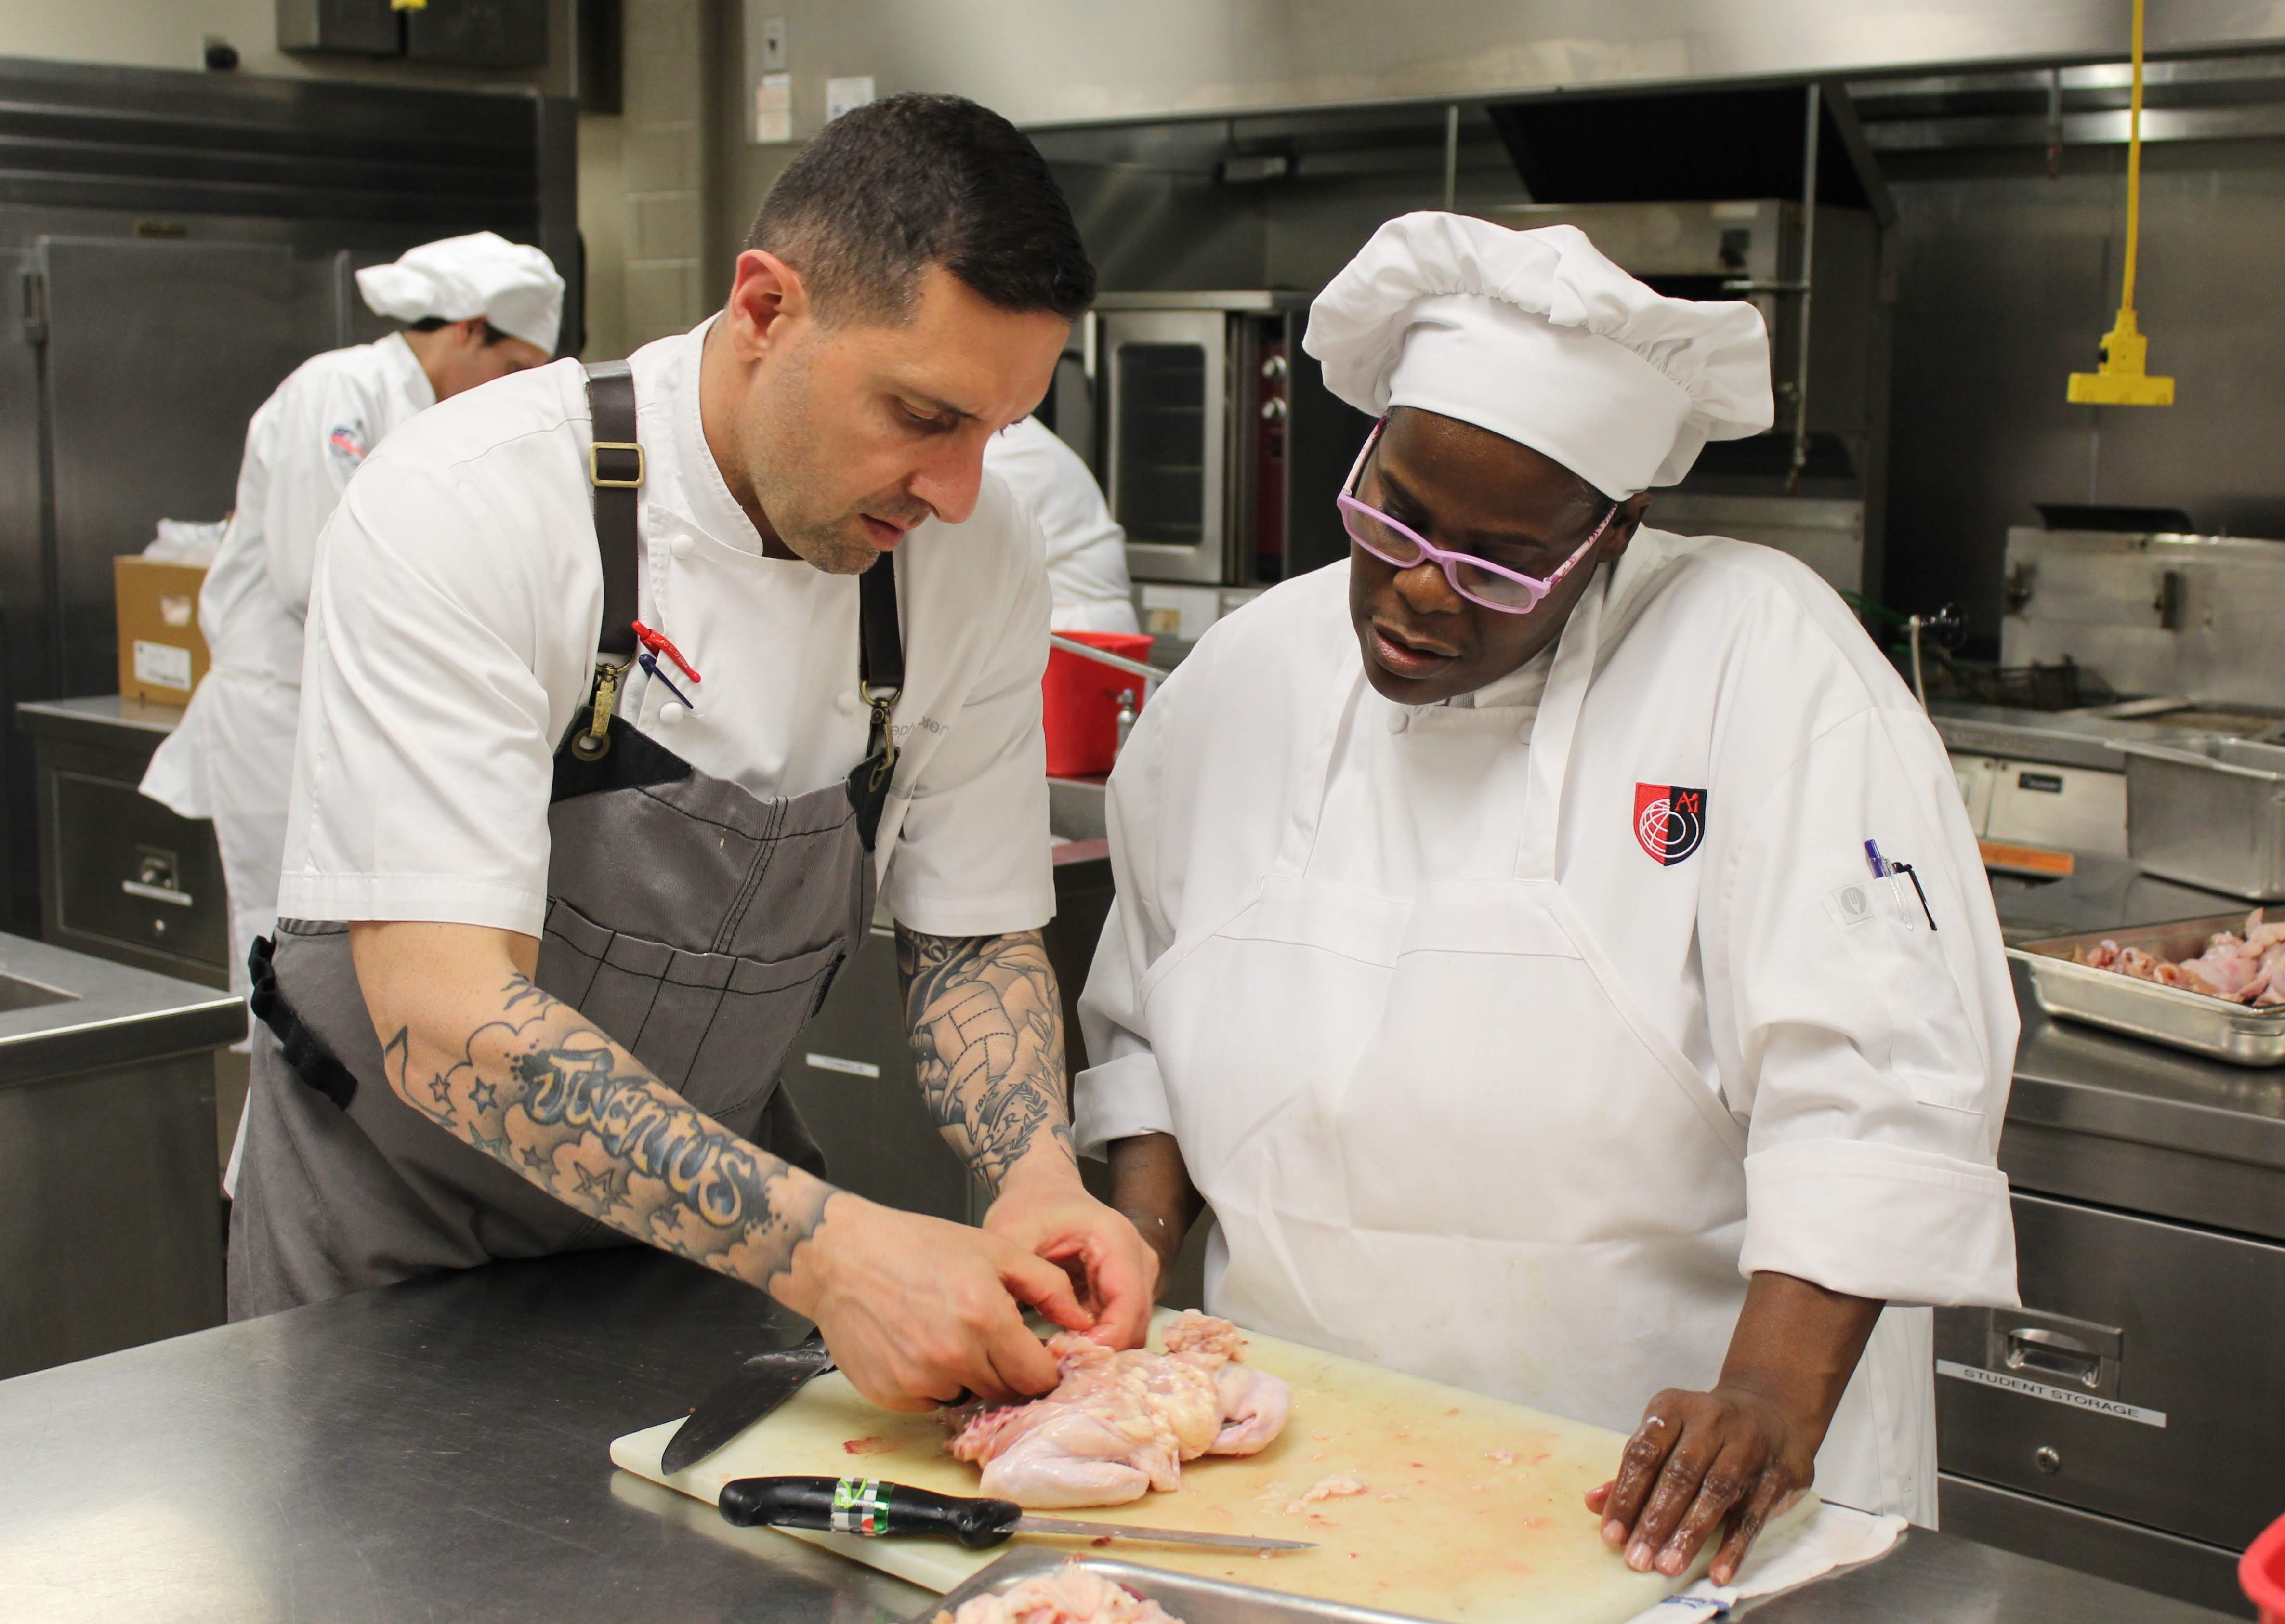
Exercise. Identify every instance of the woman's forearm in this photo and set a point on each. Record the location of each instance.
(1796, 1344)
(1150, 1184)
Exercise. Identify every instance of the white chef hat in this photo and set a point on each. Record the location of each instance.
(1536, 336)
(513, 288)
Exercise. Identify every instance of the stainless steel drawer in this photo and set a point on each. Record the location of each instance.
(130, 872)
(2145, 1379)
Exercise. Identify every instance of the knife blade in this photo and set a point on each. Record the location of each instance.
(762, 1383)
(871, 1508)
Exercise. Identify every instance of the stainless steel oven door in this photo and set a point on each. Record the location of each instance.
(1166, 390)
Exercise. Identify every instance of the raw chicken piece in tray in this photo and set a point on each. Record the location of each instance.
(1121, 1424)
(2245, 969)
(1071, 1595)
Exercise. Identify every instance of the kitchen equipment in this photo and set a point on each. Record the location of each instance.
(1083, 694)
(1468, 1539)
(2262, 1572)
(2120, 379)
(873, 1510)
(1190, 1597)
(108, 1204)
(2132, 1404)
(763, 1382)
(1220, 448)
(2171, 1016)
(2115, 517)
(2209, 811)
(2201, 616)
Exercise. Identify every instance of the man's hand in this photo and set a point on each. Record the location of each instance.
(916, 1309)
(1044, 1209)
(1733, 1457)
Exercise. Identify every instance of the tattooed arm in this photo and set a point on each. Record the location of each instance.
(986, 1019)
(914, 1308)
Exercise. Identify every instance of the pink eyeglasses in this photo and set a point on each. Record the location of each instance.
(1505, 590)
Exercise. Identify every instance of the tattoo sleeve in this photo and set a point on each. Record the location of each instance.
(987, 1029)
(541, 1089)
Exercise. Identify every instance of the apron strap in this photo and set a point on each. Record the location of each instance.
(615, 468)
(879, 680)
(1554, 729)
(305, 1051)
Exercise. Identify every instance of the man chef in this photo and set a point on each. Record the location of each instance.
(476, 307)
(1087, 588)
(1554, 948)
(624, 691)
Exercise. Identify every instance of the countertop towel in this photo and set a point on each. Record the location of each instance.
(1836, 1536)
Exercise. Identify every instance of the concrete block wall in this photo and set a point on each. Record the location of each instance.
(666, 131)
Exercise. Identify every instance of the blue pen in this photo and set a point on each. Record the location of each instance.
(651, 665)
(1873, 856)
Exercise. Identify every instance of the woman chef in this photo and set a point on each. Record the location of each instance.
(477, 308)
(1499, 948)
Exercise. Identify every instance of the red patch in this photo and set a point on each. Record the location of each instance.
(1670, 821)
(869, 1446)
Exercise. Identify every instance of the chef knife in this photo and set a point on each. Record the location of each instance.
(761, 1384)
(868, 1507)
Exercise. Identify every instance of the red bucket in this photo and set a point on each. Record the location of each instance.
(1080, 701)
(2262, 1572)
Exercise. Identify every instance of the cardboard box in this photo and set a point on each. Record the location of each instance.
(162, 654)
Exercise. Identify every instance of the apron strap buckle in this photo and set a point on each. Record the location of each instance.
(595, 742)
(883, 745)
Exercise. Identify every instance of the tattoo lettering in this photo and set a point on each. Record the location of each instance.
(987, 1033)
(550, 1095)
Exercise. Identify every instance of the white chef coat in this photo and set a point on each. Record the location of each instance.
(1857, 1062)
(231, 758)
(1087, 549)
(452, 634)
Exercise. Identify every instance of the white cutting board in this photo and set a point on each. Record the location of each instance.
(1467, 1540)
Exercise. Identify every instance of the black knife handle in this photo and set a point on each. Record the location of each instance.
(867, 1507)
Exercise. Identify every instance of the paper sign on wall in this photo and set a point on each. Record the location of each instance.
(774, 108)
(842, 94)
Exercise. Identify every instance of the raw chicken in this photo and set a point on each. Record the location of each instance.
(1071, 1595)
(1121, 1424)
(2245, 969)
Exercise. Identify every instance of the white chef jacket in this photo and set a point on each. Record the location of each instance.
(1087, 549)
(453, 626)
(231, 758)
(1868, 1068)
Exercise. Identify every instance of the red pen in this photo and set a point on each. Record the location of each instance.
(657, 644)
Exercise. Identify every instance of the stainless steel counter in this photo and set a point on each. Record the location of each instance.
(110, 1207)
(62, 1011)
(438, 1450)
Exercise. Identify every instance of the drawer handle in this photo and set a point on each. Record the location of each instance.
(155, 893)
(2054, 1352)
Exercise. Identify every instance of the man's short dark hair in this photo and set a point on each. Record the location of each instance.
(890, 188)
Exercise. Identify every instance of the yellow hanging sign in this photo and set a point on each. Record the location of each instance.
(2120, 381)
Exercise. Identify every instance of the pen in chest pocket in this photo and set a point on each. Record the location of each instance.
(1882, 868)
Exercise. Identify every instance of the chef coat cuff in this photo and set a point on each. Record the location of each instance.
(1906, 1227)
(442, 899)
(1007, 914)
(1119, 1099)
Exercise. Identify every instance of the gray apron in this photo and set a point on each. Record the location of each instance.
(699, 925)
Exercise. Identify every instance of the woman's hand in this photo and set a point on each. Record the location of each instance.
(1731, 1458)
(1699, 1463)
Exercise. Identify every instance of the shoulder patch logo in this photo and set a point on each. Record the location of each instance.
(1670, 821)
(347, 441)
